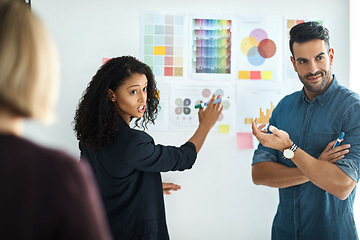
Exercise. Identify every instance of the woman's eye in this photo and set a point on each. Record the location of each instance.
(145, 89)
(133, 92)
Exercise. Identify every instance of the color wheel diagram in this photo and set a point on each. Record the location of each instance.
(259, 41)
(163, 48)
(183, 114)
(257, 47)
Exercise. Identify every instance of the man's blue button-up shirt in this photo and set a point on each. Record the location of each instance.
(306, 211)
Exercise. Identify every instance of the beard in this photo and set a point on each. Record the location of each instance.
(318, 87)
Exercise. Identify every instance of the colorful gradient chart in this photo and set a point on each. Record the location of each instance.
(183, 114)
(211, 46)
(164, 44)
(257, 47)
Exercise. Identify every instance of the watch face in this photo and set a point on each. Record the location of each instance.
(288, 153)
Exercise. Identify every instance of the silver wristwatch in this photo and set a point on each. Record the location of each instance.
(290, 152)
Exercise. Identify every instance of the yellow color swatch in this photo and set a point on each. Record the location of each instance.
(266, 75)
(244, 74)
(159, 50)
(224, 128)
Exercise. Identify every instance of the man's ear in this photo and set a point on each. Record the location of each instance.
(331, 56)
(293, 63)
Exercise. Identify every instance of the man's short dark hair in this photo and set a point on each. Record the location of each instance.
(308, 31)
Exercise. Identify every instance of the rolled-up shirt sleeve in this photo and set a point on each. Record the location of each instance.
(261, 155)
(350, 167)
(351, 126)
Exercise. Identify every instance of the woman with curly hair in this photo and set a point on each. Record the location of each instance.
(126, 162)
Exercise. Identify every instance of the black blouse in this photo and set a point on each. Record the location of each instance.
(128, 174)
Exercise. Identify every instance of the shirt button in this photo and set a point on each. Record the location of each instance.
(297, 205)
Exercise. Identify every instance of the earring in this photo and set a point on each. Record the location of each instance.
(113, 100)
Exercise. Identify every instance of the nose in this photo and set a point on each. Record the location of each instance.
(312, 67)
(143, 96)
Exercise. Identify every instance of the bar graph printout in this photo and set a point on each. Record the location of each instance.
(254, 103)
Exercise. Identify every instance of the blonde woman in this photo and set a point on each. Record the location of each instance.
(45, 194)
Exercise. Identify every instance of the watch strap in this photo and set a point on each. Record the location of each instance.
(292, 148)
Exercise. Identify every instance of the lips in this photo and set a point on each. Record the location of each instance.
(141, 109)
(314, 77)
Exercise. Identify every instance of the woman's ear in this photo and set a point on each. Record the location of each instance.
(112, 95)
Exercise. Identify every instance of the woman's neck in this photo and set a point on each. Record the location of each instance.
(11, 124)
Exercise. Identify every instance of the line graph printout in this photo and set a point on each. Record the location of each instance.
(255, 103)
(260, 48)
(184, 97)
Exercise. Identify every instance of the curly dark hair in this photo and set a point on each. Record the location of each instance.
(96, 119)
(308, 31)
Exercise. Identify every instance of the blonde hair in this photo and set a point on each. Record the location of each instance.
(29, 65)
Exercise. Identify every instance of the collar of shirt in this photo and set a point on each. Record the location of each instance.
(322, 99)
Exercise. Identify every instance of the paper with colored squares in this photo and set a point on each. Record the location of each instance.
(162, 43)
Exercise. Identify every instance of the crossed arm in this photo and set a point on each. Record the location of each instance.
(322, 172)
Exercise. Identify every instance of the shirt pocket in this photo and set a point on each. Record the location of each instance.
(317, 142)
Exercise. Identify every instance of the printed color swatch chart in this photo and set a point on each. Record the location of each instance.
(163, 37)
(211, 48)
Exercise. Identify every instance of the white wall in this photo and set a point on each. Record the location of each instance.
(218, 199)
(354, 79)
